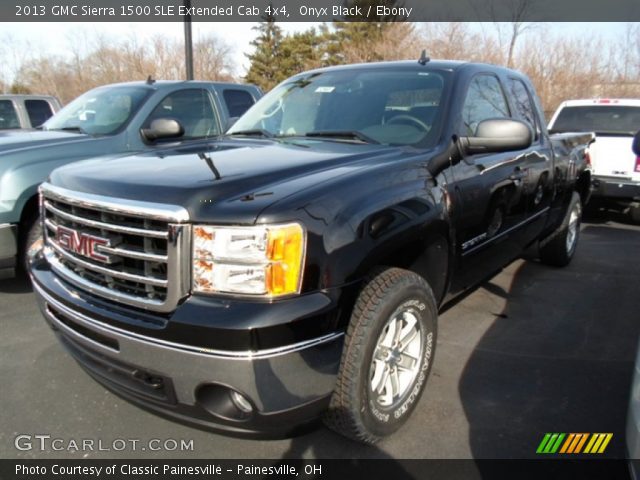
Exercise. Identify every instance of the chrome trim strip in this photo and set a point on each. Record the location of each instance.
(99, 290)
(225, 354)
(502, 234)
(106, 226)
(156, 282)
(122, 252)
(135, 208)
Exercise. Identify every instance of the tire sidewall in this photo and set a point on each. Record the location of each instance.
(384, 421)
(575, 204)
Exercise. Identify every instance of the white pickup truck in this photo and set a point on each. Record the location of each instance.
(615, 168)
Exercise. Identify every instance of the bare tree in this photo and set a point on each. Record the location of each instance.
(96, 59)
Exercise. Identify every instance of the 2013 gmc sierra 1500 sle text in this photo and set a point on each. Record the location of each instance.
(294, 268)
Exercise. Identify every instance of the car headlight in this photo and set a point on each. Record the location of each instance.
(261, 260)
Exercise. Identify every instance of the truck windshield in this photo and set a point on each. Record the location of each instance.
(603, 119)
(101, 111)
(393, 107)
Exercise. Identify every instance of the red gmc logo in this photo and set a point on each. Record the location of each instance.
(82, 244)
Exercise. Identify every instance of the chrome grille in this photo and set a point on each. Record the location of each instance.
(137, 259)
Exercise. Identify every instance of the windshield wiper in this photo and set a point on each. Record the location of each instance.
(257, 132)
(352, 134)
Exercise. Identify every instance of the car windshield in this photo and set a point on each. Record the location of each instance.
(101, 111)
(617, 120)
(393, 107)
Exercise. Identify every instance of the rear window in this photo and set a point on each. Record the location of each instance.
(621, 120)
(238, 101)
(39, 111)
(8, 115)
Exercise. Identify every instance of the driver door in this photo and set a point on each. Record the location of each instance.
(490, 208)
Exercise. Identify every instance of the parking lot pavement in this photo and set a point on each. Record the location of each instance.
(534, 350)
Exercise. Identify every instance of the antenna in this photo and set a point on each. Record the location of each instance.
(423, 58)
(150, 80)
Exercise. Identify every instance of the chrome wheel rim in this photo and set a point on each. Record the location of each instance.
(396, 359)
(572, 228)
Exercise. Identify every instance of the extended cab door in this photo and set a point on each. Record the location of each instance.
(538, 160)
(490, 206)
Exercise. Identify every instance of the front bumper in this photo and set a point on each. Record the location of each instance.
(616, 188)
(8, 249)
(288, 386)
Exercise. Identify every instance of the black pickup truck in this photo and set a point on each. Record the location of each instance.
(295, 267)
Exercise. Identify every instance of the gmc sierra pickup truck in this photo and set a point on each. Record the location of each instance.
(110, 120)
(294, 268)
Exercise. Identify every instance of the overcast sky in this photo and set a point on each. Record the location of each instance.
(54, 38)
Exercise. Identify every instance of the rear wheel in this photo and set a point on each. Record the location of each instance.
(561, 247)
(387, 356)
(634, 212)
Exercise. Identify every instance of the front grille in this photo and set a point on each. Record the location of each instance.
(130, 252)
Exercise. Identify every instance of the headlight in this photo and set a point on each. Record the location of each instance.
(260, 260)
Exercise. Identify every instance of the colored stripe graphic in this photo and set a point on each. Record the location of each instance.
(550, 443)
(581, 443)
(573, 443)
(567, 443)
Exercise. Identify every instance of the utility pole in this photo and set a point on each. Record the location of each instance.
(188, 41)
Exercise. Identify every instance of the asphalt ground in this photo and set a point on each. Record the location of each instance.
(533, 350)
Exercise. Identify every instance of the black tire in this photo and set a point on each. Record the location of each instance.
(390, 295)
(31, 242)
(634, 212)
(560, 247)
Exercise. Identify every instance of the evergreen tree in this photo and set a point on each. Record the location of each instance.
(361, 38)
(265, 69)
(302, 51)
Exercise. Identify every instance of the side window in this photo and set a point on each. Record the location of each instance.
(523, 104)
(237, 101)
(39, 111)
(8, 115)
(193, 109)
(485, 99)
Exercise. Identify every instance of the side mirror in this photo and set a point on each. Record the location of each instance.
(230, 122)
(636, 143)
(498, 135)
(161, 128)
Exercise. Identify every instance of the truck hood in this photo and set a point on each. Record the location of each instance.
(23, 140)
(253, 174)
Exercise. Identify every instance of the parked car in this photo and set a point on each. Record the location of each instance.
(26, 111)
(616, 170)
(110, 120)
(295, 267)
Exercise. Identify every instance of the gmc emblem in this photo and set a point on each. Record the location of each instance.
(83, 244)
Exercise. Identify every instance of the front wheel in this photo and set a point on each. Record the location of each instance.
(32, 242)
(560, 248)
(387, 357)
